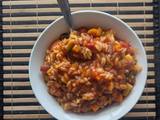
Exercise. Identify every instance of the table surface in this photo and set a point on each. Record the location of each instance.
(23, 20)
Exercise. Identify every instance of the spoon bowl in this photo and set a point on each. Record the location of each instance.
(86, 18)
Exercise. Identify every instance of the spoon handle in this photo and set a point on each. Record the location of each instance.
(64, 6)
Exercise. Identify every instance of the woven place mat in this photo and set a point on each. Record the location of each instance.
(24, 20)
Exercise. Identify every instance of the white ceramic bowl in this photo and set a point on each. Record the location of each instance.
(88, 18)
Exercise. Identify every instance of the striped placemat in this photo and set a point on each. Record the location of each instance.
(24, 20)
(1, 65)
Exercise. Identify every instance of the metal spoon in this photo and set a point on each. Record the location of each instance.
(64, 6)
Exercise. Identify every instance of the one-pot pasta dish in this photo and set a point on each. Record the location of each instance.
(90, 69)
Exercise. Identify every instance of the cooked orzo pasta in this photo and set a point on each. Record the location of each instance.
(90, 69)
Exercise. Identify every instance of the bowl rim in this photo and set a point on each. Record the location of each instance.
(89, 11)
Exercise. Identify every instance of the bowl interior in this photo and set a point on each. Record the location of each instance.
(89, 19)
